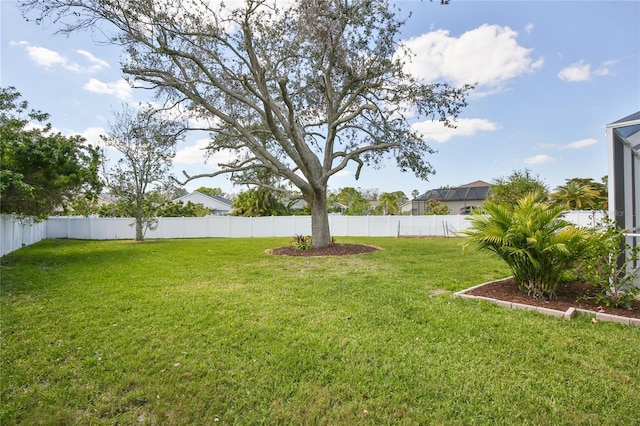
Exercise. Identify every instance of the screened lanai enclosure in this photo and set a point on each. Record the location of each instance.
(623, 137)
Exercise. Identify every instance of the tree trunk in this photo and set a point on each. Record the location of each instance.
(139, 234)
(320, 233)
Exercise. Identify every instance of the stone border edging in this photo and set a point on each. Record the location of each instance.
(568, 314)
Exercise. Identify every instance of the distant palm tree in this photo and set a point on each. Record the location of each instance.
(390, 202)
(575, 196)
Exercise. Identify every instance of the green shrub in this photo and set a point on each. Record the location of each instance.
(531, 236)
(607, 265)
(302, 242)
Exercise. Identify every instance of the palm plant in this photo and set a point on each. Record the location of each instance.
(390, 202)
(534, 240)
(575, 196)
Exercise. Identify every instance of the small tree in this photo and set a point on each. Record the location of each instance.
(537, 244)
(146, 142)
(436, 207)
(520, 183)
(41, 170)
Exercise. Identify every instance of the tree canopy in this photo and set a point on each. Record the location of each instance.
(257, 202)
(581, 194)
(509, 190)
(301, 90)
(41, 169)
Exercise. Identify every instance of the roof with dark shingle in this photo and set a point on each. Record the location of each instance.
(477, 190)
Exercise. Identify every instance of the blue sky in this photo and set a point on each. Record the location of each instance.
(551, 74)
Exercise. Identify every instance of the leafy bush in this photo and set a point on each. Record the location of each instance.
(607, 265)
(177, 209)
(531, 236)
(436, 207)
(302, 242)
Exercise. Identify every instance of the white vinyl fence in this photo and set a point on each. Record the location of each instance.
(16, 234)
(246, 227)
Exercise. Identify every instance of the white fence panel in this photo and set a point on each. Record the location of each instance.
(168, 227)
(218, 226)
(80, 228)
(585, 218)
(291, 225)
(380, 226)
(57, 227)
(91, 228)
(262, 227)
(437, 226)
(240, 227)
(16, 233)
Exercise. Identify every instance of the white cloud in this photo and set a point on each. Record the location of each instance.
(193, 154)
(121, 89)
(92, 135)
(51, 59)
(437, 131)
(196, 154)
(489, 55)
(583, 72)
(605, 68)
(576, 72)
(45, 57)
(529, 28)
(582, 143)
(96, 63)
(539, 159)
(344, 173)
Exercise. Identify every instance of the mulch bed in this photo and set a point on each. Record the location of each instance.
(574, 294)
(331, 250)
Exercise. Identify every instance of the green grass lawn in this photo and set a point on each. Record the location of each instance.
(216, 331)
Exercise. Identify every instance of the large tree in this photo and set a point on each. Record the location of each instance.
(326, 78)
(146, 142)
(41, 169)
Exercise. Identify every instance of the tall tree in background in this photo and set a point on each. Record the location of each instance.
(214, 192)
(40, 169)
(257, 202)
(390, 202)
(581, 193)
(574, 196)
(326, 77)
(520, 183)
(354, 202)
(147, 143)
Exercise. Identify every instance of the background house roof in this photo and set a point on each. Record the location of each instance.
(212, 202)
(477, 190)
